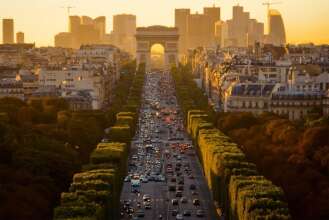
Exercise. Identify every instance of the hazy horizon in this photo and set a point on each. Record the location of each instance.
(305, 21)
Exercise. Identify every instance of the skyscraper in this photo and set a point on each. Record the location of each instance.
(218, 32)
(198, 31)
(181, 19)
(277, 33)
(87, 20)
(100, 25)
(20, 38)
(83, 30)
(8, 31)
(241, 31)
(74, 24)
(213, 14)
(124, 30)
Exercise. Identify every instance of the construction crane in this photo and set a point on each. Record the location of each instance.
(269, 3)
(68, 8)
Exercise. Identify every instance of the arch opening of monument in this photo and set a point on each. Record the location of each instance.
(147, 37)
(157, 56)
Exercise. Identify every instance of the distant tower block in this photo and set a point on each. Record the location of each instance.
(20, 38)
(8, 31)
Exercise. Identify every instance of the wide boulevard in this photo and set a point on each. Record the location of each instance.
(165, 179)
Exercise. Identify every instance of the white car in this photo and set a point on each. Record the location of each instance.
(179, 217)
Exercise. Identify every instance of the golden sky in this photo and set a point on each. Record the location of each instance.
(40, 20)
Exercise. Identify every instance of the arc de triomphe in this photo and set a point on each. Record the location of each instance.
(146, 37)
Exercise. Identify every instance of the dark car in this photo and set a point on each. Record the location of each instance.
(174, 212)
(196, 202)
(187, 213)
(200, 213)
(140, 213)
(179, 194)
(192, 187)
(172, 188)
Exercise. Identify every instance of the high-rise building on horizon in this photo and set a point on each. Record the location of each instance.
(196, 30)
(86, 20)
(82, 30)
(124, 30)
(181, 19)
(213, 14)
(8, 31)
(74, 23)
(100, 25)
(277, 33)
(20, 38)
(241, 31)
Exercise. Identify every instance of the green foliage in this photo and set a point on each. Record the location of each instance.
(222, 159)
(101, 181)
(292, 155)
(43, 143)
(88, 210)
(189, 96)
(120, 133)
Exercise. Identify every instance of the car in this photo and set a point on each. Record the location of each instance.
(179, 217)
(174, 202)
(174, 212)
(140, 213)
(192, 187)
(162, 178)
(179, 194)
(194, 193)
(127, 202)
(183, 200)
(148, 206)
(187, 213)
(146, 197)
(196, 202)
(200, 213)
(172, 188)
(144, 180)
(180, 187)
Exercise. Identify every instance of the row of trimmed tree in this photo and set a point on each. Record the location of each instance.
(95, 192)
(235, 184)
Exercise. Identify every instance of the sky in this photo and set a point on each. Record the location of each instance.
(305, 20)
